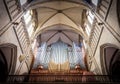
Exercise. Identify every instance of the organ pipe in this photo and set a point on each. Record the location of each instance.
(59, 56)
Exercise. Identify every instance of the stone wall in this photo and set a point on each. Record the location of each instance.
(110, 35)
(14, 32)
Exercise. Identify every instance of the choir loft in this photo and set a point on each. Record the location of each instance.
(59, 41)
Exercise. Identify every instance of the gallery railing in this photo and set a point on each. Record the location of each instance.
(62, 78)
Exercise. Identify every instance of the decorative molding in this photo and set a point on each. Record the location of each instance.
(21, 58)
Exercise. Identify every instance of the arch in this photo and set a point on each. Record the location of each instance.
(52, 26)
(108, 55)
(8, 53)
(36, 4)
(3, 67)
(114, 68)
(118, 11)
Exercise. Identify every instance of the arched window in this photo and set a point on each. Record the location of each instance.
(89, 22)
(29, 22)
(95, 2)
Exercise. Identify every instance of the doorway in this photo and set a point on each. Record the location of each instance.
(110, 61)
(8, 57)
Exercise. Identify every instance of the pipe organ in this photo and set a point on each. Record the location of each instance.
(59, 56)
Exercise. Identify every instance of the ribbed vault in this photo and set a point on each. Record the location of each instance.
(58, 14)
(66, 36)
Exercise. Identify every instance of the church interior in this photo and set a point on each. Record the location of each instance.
(60, 41)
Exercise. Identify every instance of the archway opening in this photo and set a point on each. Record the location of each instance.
(115, 66)
(110, 61)
(115, 72)
(3, 67)
(8, 57)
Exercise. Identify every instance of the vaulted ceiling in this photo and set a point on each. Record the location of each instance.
(59, 15)
(66, 36)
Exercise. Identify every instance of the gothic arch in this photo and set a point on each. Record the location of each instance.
(107, 54)
(118, 11)
(8, 57)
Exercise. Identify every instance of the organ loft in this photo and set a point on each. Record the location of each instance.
(59, 41)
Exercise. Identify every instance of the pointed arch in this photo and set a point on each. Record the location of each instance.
(10, 54)
(50, 27)
(107, 53)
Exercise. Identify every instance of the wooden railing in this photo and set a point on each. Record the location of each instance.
(68, 78)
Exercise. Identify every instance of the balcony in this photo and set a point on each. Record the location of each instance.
(60, 78)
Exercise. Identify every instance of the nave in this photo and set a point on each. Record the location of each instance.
(59, 41)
